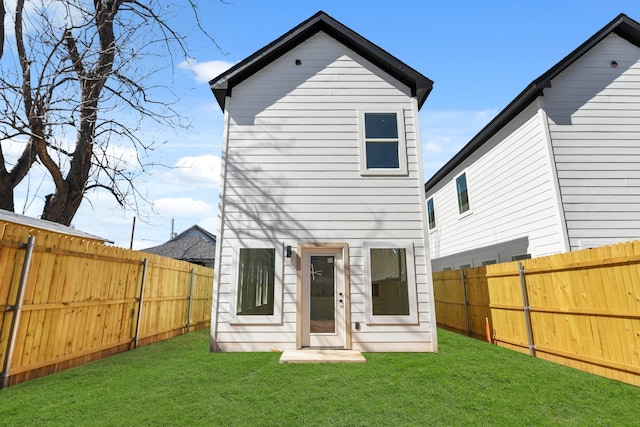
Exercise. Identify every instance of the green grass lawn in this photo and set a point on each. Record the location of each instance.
(179, 383)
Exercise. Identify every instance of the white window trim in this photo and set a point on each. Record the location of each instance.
(402, 170)
(412, 317)
(455, 188)
(276, 317)
(435, 216)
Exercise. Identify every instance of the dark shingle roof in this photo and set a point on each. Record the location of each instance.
(188, 249)
(194, 244)
(224, 83)
(622, 25)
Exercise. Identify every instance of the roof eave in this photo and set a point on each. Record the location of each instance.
(222, 85)
(622, 25)
(525, 98)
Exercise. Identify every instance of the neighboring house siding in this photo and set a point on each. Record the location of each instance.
(594, 122)
(293, 175)
(512, 197)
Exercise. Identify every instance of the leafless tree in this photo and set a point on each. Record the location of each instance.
(75, 83)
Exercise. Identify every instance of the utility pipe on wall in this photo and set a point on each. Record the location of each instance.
(17, 309)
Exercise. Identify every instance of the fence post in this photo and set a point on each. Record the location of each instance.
(17, 309)
(193, 274)
(140, 300)
(527, 310)
(466, 302)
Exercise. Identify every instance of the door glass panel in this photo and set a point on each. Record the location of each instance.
(322, 290)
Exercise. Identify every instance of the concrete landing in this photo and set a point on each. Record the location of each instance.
(322, 356)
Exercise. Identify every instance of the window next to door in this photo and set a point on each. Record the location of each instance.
(256, 285)
(390, 283)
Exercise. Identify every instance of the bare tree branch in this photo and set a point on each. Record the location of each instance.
(75, 92)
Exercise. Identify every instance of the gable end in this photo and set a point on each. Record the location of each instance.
(222, 86)
(622, 25)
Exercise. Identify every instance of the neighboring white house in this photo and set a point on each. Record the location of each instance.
(322, 218)
(557, 170)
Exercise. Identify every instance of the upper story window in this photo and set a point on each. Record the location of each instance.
(431, 214)
(463, 193)
(382, 144)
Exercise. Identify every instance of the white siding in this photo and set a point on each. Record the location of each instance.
(594, 121)
(512, 198)
(293, 176)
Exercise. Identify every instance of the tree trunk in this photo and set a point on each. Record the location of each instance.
(6, 192)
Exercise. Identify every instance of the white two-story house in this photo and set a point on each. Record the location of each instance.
(557, 170)
(322, 214)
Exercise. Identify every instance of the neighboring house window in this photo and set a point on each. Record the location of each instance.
(520, 257)
(383, 147)
(431, 214)
(463, 193)
(491, 261)
(257, 285)
(256, 279)
(465, 266)
(391, 287)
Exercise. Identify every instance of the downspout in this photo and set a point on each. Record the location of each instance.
(17, 309)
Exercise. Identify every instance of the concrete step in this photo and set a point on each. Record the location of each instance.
(322, 356)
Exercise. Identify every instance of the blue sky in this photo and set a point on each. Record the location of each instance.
(480, 54)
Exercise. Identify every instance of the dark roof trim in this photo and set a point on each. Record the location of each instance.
(223, 84)
(622, 25)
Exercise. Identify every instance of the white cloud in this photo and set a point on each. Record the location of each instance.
(432, 147)
(12, 148)
(205, 71)
(183, 207)
(118, 157)
(200, 171)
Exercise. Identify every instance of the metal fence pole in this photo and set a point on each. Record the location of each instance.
(527, 309)
(466, 302)
(17, 309)
(140, 300)
(193, 278)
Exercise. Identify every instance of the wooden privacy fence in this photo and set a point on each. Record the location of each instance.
(65, 301)
(580, 309)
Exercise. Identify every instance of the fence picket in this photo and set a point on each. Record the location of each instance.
(80, 300)
(585, 307)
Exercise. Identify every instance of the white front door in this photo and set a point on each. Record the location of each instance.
(324, 298)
